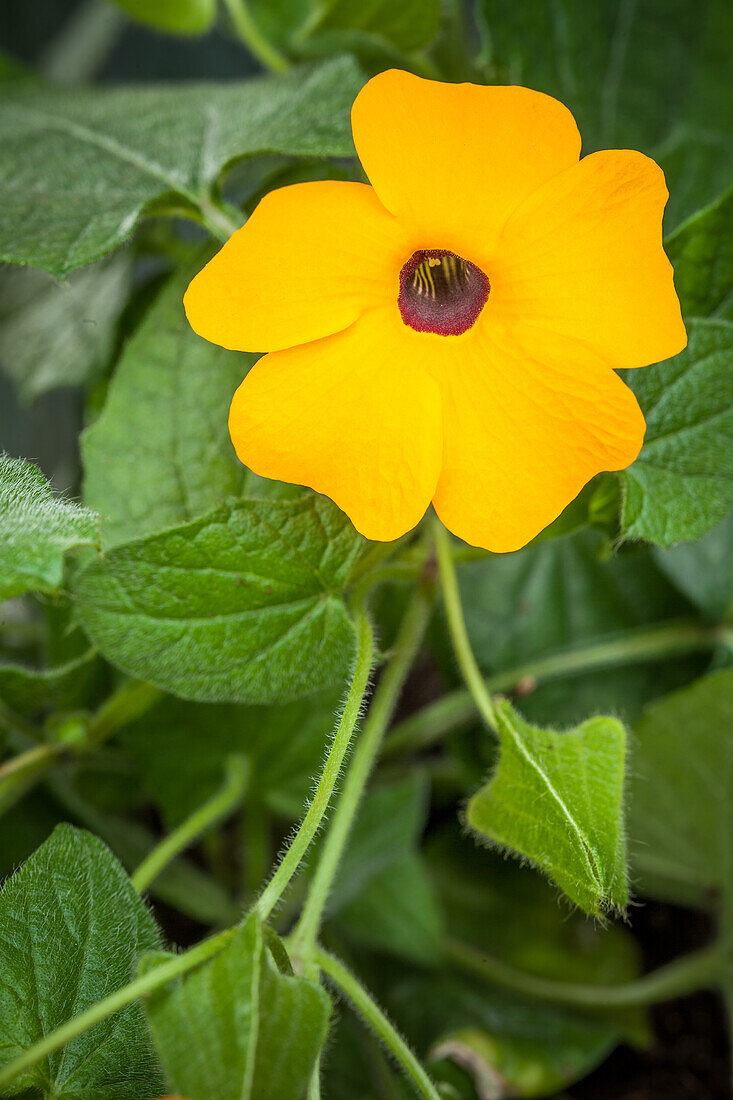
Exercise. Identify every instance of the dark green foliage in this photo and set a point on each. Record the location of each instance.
(681, 484)
(72, 929)
(80, 166)
(190, 611)
(243, 605)
(237, 1028)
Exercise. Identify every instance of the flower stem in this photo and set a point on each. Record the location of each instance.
(331, 769)
(378, 1022)
(20, 773)
(406, 646)
(216, 219)
(26, 763)
(129, 702)
(253, 38)
(115, 1002)
(214, 810)
(457, 626)
(646, 643)
(376, 555)
(685, 975)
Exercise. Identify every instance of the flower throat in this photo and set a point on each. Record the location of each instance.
(441, 292)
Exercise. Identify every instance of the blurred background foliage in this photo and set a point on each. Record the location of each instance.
(76, 357)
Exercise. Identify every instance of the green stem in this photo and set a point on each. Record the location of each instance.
(376, 556)
(18, 774)
(331, 769)
(216, 219)
(685, 975)
(381, 711)
(77, 53)
(457, 626)
(646, 643)
(26, 763)
(392, 571)
(115, 1002)
(218, 807)
(129, 702)
(253, 38)
(378, 1022)
(314, 1085)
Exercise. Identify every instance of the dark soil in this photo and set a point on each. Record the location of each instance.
(690, 1058)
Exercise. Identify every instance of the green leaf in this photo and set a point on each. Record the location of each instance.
(37, 529)
(182, 884)
(646, 75)
(681, 798)
(115, 150)
(557, 799)
(284, 746)
(560, 1046)
(564, 595)
(702, 569)
(283, 21)
(409, 25)
(237, 1028)
(176, 16)
(681, 484)
(160, 452)
(511, 913)
(701, 252)
(697, 168)
(374, 52)
(243, 605)
(296, 24)
(59, 334)
(71, 930)
(511, 1064)
(29, 690)
(24, 827)
(382, 896)
(12, 69)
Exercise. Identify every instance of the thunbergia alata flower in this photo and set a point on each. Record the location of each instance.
(449, 334)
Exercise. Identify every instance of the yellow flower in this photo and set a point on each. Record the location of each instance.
(449, 334)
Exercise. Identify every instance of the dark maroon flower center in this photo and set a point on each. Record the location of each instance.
(440, 292)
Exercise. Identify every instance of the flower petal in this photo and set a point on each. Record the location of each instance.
(354, 416)
(522, 438)
(582, 258)
(453, 160)
(310, 260)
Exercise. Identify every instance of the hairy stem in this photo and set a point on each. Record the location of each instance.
(457, 626)
(685, 975)
(210, 813)
(331, 769)
(381, 711)
(378, 1022)
(115, 1002)
(646, 643)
